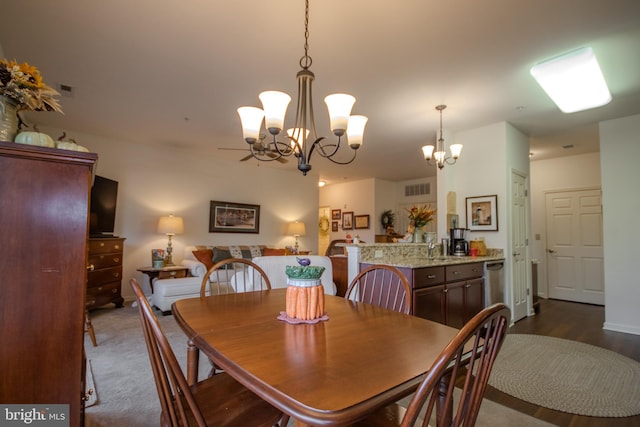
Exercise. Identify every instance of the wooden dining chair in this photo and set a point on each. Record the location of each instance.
(234, 275)
(229, 276)
(467, 361)
(215, 401)
(382, 285)
(88, 325)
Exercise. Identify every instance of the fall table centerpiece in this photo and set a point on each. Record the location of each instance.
(305, 293)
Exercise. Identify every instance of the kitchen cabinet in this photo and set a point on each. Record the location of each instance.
(43, 259)
(448, 294)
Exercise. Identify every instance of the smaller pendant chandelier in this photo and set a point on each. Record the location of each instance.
(303, 139)
(439, 156)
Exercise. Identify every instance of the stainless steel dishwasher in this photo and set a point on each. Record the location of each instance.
(494, 282)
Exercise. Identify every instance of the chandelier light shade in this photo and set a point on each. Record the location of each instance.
(574, 81)
(436, 154)
(301, 144)
(170, 225)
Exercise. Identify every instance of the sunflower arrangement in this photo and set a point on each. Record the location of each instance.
(23, 83)
(420, 215)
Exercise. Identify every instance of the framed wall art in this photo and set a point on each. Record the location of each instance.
(482, 213)
(227, 217)
(336, 214)
(347, 220)
(361, 221)
(334, 226)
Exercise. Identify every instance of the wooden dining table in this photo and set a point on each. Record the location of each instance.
(330, 373)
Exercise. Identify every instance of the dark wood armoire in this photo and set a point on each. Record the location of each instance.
(44, 202)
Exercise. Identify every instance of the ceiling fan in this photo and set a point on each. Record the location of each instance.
(260, 148)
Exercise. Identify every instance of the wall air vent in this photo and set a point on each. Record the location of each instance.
(421, 189)
(65, 90)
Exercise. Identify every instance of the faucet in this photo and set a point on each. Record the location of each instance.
(430, 247)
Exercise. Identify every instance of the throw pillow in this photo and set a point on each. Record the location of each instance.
(236, 252)
(220, 254)
(273, 252)
(255, 251)
(205, 256)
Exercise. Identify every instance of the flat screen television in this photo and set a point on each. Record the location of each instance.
(102, 210)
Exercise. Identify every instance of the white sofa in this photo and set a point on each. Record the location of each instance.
(166, 291)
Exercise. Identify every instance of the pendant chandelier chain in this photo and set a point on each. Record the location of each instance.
(305, 61)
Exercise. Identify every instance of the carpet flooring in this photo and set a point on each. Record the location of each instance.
(567, 376)
(126, 393)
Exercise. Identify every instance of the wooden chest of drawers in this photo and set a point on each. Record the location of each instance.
(104, 276)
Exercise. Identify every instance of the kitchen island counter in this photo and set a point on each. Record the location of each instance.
(411, 255)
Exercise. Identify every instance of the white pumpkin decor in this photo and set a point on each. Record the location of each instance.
(70, 144)
(35, 138)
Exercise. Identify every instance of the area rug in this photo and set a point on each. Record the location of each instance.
(567, 376)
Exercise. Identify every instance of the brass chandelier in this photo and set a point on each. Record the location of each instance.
(303, 138)
(436, 155)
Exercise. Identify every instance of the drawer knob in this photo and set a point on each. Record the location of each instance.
(114, 291)
(431, 276)
(116, 246)
(456, 272)
(116, 275)
(116, 260)
(90, 267)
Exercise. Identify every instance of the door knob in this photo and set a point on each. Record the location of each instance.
(551, 251)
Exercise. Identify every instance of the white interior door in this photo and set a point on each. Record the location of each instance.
(519, 270)
(575, 256)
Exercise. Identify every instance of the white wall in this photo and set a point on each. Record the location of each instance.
(156, 181)
(481, 170)
(562, 173)
(619, 155)
(490, 155)
(357, 197)
(372, 197)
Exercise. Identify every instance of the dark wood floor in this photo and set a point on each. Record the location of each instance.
(578, 322)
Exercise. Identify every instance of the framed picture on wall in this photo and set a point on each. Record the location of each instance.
(361, 221)
(227, 217)
(347, 220)
(334, 226)
(336, 214)
(482, 213)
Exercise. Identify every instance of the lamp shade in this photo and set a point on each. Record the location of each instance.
(296, 229)
(339, 106)
(170, 225)
(355, 131)
(274, 104)
(251, 119)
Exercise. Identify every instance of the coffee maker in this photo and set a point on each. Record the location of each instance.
(459, 244)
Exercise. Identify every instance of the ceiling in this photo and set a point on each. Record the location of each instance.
(173, 73)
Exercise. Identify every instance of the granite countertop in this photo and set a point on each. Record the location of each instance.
(414, 255)
(439, 261)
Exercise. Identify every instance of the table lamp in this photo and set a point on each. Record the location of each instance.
(170, 225)
(296, 229)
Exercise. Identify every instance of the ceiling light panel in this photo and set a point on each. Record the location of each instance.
(573, 80)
